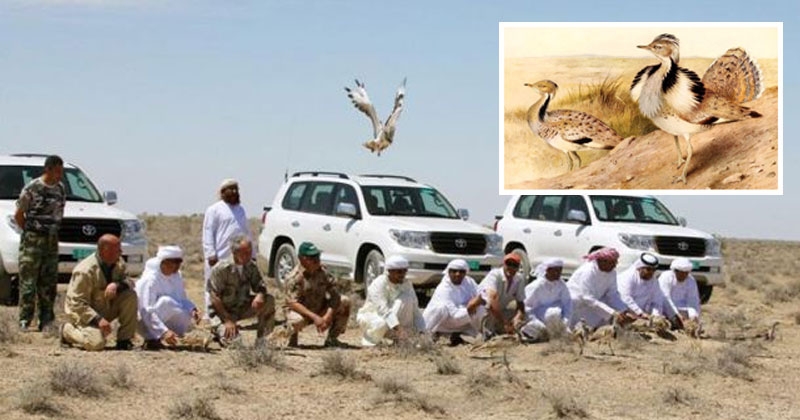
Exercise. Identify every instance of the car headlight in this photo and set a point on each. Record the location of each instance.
(641, 242)
(411, 239)
(133, 232)
(713, 248)
(494, 244)
(13, 224)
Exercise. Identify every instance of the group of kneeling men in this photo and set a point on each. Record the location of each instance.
(157, 306)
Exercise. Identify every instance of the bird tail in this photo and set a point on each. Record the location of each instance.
(736, 76)
(371, 145)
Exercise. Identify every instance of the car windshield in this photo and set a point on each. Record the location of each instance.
(77, 185)
(611, 208)
(407, 201)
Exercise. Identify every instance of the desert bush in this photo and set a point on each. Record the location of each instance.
(225, 385)
(393, 390)
(393, 385)
(420, 344)
(630, 340)
(253, 357)
(37, 398)
(197, 408)
(121, 377)
(337, 363)
(479, 383)
(565, 406)
(690, 363)
(735, 320)
(675, 395)
(558, 345)
(797, 318)
(734, 361)
(777, 293)
(9, 330)
(746, 280)
(75, 379)
(446, 365)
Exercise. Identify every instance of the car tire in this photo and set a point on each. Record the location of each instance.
(372, 267)
(9, 288)
(284, 262)
(525, 266)
(704, 290)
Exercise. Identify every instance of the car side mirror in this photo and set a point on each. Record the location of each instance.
(346, 209)
(110, 197)
(463, 214)
(682, 221)
(577, 216)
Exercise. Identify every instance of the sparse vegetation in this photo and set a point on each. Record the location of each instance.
(197, 408)
(797, 318)
(675, 395)
(253, 357)
(734, 361)
(479, 383)
(337, 363)
(8, 327)
(121, 377)
(559, 345)
(393, 390)
(630, 340)
(447, 365)
(37, 398)
(75, 379)
(565, 406)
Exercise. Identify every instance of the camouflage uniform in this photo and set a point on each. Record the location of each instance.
(237, 291)
(43, 207)
(317, 292)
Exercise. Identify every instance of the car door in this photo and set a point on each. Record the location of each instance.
(569, 240)
(341, 231)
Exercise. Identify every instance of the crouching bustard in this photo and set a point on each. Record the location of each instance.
(566, 130)
(681, 104)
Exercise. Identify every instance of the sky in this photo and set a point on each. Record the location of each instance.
(161, 100)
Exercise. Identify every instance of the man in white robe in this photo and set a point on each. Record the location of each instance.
(499, 289)
(223, 220)
(680, 289)
(391, 310)
(547, 302)
(639, 289)
(165, 313)
(456, 307)
(593, 289)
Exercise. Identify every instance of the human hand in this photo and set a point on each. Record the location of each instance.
(104, 326)
(212, 261)
(258, 302)
(322, 323)
(111, 291)
(230, 329)
(170, 338)
(509, 328)
(196, 315)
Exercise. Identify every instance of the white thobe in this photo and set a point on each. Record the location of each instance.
(594, 295)
(389, 305)
(221, 223)
(163, 304)
(641, 296)
(546, 302)
(506, 293)
(447, 310)
(680, 296)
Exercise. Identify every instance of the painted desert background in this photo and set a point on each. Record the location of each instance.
(731, 373)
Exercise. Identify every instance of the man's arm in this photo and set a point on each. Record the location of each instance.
(209, 237)
(79, 298)
(19, 218)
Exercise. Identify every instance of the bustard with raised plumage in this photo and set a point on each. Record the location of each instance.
(382, 133)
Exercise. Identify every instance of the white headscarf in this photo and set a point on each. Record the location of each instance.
(646, 259)
(541, 269)
(457, 264)
(165, 252)
(396, 262)
(681, 264)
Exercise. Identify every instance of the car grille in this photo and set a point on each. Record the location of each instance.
(87, 230)
(458, 243)
(680, 246)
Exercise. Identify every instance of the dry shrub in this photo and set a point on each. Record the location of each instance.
(690, 363)
(734, 361)
(398, 391)
(447, 365)
(9, 331)
(225, 385)
(734, 320)
(630, 340)
(121, 377)
(75, 379)
(197, 408)
(419, 344)
(478, 383)
(747, 281)
(565, 406)
(673, 396)
(253, 357)
(337, 363)
(559, 345)
(37, 398)
(797, 318)
(777, 293)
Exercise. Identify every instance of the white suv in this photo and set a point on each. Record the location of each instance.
(570, 226)
(357, 220)
(87, 216)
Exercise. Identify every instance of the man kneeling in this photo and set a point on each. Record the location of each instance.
(238, 292)
(456, 306)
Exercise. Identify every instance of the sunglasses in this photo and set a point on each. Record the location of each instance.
(457, 271)
(512, 265)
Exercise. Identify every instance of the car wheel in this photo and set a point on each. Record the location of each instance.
(373, 267)
(704, 290)
(525, 266)
(284, 262)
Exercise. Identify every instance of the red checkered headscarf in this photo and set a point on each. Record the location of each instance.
(603, 254)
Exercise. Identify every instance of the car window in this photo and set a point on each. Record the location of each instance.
(549, 208)
(76, 183)
(632, 210)
(407, 201)
(79, 187)
(346, 194)
(524, 206)
(293, 197)
(575, 202)
(319, 199)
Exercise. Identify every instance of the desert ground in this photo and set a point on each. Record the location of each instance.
(739, 155)
(732, 372)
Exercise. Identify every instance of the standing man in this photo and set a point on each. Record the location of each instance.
(99, 293)
(239, 292)
(593, 288)
(39, 211)
(680, 289)
(312, 298)
(499, 289)
(223, 220)
(392, 308)
(547, 302)
(456, 306)
(639, 289)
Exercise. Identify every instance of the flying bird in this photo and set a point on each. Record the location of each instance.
(382, 133)
(566, 130)
(680, 103)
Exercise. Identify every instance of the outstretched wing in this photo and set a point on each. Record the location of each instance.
(361, 101)
(391, 121)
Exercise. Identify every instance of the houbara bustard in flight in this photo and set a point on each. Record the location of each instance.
(681, 104)
(383, 133)
(566, 130)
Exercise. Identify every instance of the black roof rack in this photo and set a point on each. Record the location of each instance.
(318, 173)
(389, 176)
(41, 155)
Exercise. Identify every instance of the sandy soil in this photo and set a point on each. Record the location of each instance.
(741, 155)
(729, 374)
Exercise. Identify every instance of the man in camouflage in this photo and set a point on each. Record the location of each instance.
(39, 211)
(238, 292)
(312, 298)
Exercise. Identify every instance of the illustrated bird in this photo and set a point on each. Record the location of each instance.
(606, 334)
(566, 130)
(382, 133)
(680, 103)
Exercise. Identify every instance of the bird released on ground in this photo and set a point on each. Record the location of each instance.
(580, 334)
(382, 133)
(606, 334)
(567, 130)
(680, 103)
